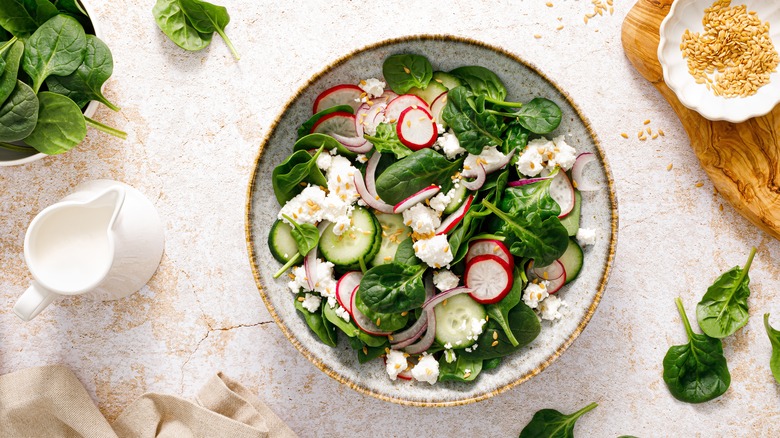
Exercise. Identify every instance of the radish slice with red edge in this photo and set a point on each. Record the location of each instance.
(490, 247)
(389, 95)
(410, 335)
(562, 192)
(553, 271)
(422, 195)
(427, 340)
(344, 94)
(455, 217)
(437, 106)
(478, 182)
(577, 173)
(416, 129)
(345, 286)
(362, 320)
(396, 106)
(490, 277)
(525, 182)
(372, 201)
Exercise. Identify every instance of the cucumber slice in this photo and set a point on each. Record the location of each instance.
(572, 220)
(460, 195)
(454, 320)
(430, 93)
(281, 242)
(360, 241)
(572, 261)
(393, 233)
(446, 79)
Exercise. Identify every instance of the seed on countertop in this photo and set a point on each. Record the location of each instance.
(647, 122)
(537, 36)
(720, 207)
(549, 4)
(654, 136)
(670, 166)
(699, 184)
(661, 132)
(560, 27)
(624, 135)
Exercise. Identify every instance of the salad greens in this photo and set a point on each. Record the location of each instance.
(86, 82)
(414, 173)
(549, 423)
(724, 309)
(208, 18)
(393, 288)
(774, 338)
(306, 236)
(60, 127)
(481, 81)
(191, 24)
(499, 312)
(11, 56)
(406, 71)
(299, 167)
(56, 48)
(18, 114)
(474, 126)
(317, 322)
(386, 141)
(22, 17)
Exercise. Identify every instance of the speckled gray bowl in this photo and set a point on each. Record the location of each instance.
(599, 211)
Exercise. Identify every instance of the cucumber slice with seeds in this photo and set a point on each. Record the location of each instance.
(394, 231)
(454, 318)
(446, 79)
(572, 220)
(572, 261)
(281, 242)
(460, 195)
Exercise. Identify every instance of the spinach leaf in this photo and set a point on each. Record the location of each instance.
(9, 68)
(368, 353)
(70, 6)
(493, 342)
(549, 423)
(490, 364)
(530, 198)
(393, 288)
(386, 141)
(414, 173)
(481, 81)
(515, 138)
(315, 141)
(405, 255)
(474, 127)
(351, 329)
(84, 84)
(297, 168)
(5, 35)
(462, 369)
(386, 321)
(22, 17)
(56, 48)
(499, 312)
(61, 125)
(306, 126)
(402, 72)
(18, 114)
(317, 322)
(540, 116)
(697, 371)
(306, 236)
(172, 21)
(774, 339)
(208, 18)
(462, 234)
(724, 309)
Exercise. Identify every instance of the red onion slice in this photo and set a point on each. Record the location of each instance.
(525, 182)
(430, 334)
(477, 183)
(310, 266)
(371, 166)
(408, 336)
(358, 145)
(372, 201)
(577, 173)
(431, 303)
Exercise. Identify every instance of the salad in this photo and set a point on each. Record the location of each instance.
(428, 219)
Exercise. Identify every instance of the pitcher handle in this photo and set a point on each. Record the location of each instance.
(32, 301)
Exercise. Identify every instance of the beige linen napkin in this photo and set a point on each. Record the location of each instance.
(50, 401)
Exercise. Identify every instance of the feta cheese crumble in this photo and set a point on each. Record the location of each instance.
(586, 236)
(549, 309)
(449, 144)
(439, 202)
(427, 369)
(324, 161)
(342, 313)
(542, 155)
(325, 284)
(372, 86)
(435, 252)
(395, 363)
(534, 293)
(311, 303)
(445, 280)
(422, 219)
(491, 159)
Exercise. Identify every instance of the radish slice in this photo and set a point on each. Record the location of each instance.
(396, 106)
(340, 122)
(437, 106)
(389, 95)
(344, 94)
(454, 219)
(577, 171)
(372, 201)
(562, 192)
(491, 247)
(362, 320)
(490, 277)
(525, 182)
(345, 286)
(436, 299)
(478, 182)
(310, 267)
(420, 196)
(416, 128)
(551, 272)
(427, 340)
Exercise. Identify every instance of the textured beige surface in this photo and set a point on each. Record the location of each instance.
(194, 122)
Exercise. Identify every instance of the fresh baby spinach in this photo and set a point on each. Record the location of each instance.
(515, 138)
(549, 423)
(481, 81)
(174, 23)
(462, 369)
(70, 6)
(351, 329)
(540, 116)
(208, 18)
(696, 372)
(393, 288)
(490, 364)
(60, 127)
(9, 67)
(85, 83)
(386, 321)
(406, 71)
(499, 312)
(18, 113)
(56, 48)
(317, 322)
(386, 141)
(493, 341)
(306, 236)
(22, 17)
(315, 141)
(474, 127)
(405, 255)
(297, 168)
(414, 173)
(306, 126)
(774, 339)
(724, 309)
(530, 198)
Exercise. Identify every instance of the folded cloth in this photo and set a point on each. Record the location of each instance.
(50, 401)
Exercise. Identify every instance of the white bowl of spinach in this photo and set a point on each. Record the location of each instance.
(53, 66)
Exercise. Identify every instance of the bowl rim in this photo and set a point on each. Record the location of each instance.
(715, 113)
(89, 111)
(335, 374)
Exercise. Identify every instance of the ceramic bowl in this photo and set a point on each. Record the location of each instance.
(688, 14)
(13, 158)
(524, 82)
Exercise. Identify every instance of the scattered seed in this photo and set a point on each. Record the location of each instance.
(549, 4)
(560, 27)
(647, 122)
(624, 135)
(699, 184)
(720, 207)
(537, 36)
(661, 132)
(406, 70)
(495, 335)
(670, 166)
(654, 136)
(494, 343)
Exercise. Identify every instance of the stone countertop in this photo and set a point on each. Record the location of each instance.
(194, 123)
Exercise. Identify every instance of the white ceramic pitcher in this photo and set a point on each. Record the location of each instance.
(104, 241)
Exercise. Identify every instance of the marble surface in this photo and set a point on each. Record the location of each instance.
(195, 121)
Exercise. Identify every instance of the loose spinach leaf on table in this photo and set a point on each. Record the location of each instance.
(724, 309)
(403, 72)
(9, 71)
(84, 84)
(61, 125)
(774, 339)
(386, 141)
(175, 24)
(462, 369)
(393, 288)
(540, 116)
(697, 371)
(297, 168)
(499, 312)
(493, 342)
(208, 18)
(305, 128)
(22, 17)
(481, 81)
(306, 236)
(549, 423)
(18, 114)
(414, 173)
(385, 321)
(56, 48)
(70, 6)
(317, 322)
(474, 127)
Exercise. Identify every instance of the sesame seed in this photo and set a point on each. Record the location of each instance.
(549, 4)
(647, 122)
(494, 343)
(537, 36)
(624, 135)
(670, 166)
(406, 70)
(560, 27)
(699, 184)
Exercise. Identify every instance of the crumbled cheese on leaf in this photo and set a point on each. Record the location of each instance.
(427, 369)
(396, 363)
(435, 252)
(535, 293)
(422, 219)
(449, 144)
(311, 303)
(445, 280)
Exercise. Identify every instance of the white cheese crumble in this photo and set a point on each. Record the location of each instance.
(530, 162)
(426, 370)
(325, 284)
(542, 155)
(342, 313)
(435, 252)
(372, 86)
(306, 207)
(445, 280)
(422, 219)
(395, 363)
(549, 309)
(439, 202)
(311, 303)
(361, 158)
(449, 144)
(534, 293)
(491, 159)
(324, 161)
(586, 236)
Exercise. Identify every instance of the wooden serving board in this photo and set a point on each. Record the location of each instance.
(743, 159)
